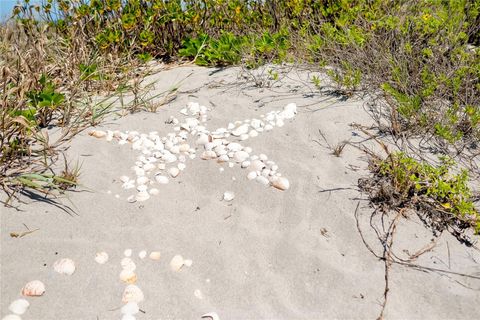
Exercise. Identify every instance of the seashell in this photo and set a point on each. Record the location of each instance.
(223, 158)
(234, 146)
(289, 111)
(101, 257)
(247, 149)
(263, 157)
(128, 317)
(142, 254)
(262, 180)
(198, 294)
(268, 127)
(174, 172)
(221, 169)
(176, 263)
(253, 133)
(244, 137)
(255, 123)
(19, 306)
(169, 158)
(202, 140)
(279, 123)
(184, 111)
(161, 166)
(128, 264)
(231, 164)
(142, 196)
(240, 156)
(188, 262)
(127, 252)
(64, 266)
(142, 188)
(245, 164)
(148, 167)
(211, 315)
(185, 147)
(124, 178)
(139, 171)
(128, 185)
(208, 154)
(243, 129)
(257, 165)
(228, 196)
(130, 308)
(11, 317)
(274, 167)
(154, 255)
(131, 199)
(181, 166)
(251, 175)
(175, 149)
(132, 293)
(265, 172)
(154, 191)
(128, 276)
(230, 126)
(280, 183)
(234, 179)
(161, 179)
(33, 288)
(97, 133)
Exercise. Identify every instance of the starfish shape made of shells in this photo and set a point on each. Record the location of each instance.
(164, 158)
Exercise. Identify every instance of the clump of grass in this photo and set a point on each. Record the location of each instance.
(441, 196)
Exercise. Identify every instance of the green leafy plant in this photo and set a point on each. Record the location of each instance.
(45, 100)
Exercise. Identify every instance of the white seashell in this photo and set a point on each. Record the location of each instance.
(128, 276)
(19, 306)
(64, 266)
(221, 169)
(253, 133)
(139, 171)
(127, 252)
(223, 158)
(128, 264)
(142, 188)
(128, 317)
(173, 172)
(247, 149)
(154, 255)
(265, 172)
(231, 164)
(280, 183)
(208, 154)
(243, 129)
(257, 165)
(255, 123)
(154, 191)
(279, 123)
(169, 158)
(124, 178)
(198, 294)
(101, 257)
(234, 146)
(176, 263)
(142, 196)
(228, 196)
(245, 164)
(181, 166)
(244, 137)
(234, 179)
(240, 156)
(128, 185)
(148, 167)
(33, 288)
(161, 179)
(175, 149)
(274, 167)
(184, 111)
(131, 199)
(130, 308)
(161, 166)
(11, 317)
(97, 133)
(202, 140)
(251, 175)
(211, 315)
(263, 157)
(262, 180)
(132, 293)
(142, 254)
(188, 262)
(289, 111)
(230, 126)
(268, 127)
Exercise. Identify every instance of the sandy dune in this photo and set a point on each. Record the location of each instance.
(268, 254)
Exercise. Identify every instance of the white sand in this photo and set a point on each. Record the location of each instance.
(260, 256)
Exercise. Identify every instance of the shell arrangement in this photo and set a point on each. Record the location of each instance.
(164, 158)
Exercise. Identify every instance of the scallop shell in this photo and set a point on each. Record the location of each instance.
(128, 264)
(128, 276)
(19, 306)
(97, 133)
(228, 196)
(101, 257)
(142, 254)
(176, 263)
(130, 308)
(211, 315)
(174, 172)
(132, 293)
(154, 255)
(280, 183)
(33, 288)
(161, 179)
(64, 266)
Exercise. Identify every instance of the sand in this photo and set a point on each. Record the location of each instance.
(268, 254)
